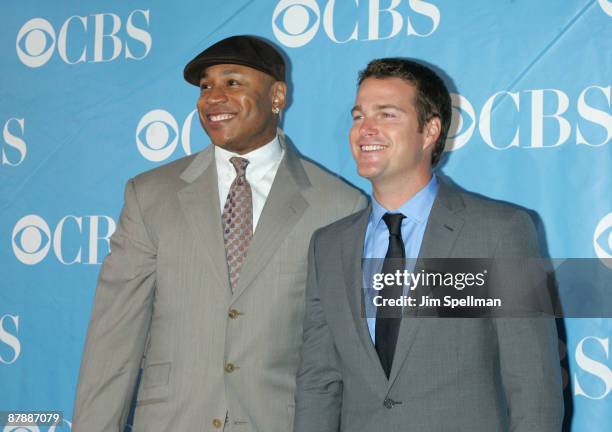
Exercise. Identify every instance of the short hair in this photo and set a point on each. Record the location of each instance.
(432, 97)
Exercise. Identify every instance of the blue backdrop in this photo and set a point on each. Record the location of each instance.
(92, 94)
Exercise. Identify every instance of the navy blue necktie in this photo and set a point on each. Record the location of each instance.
(388, 318)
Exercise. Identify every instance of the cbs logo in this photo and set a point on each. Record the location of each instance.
(158, 132)
(300, 22)
(606, 6)
(594, 378)
(463, 122)
(602, 240)
(94, 38)
(296, 22)
(592, 126)
(32, 238)
(14, 151)
(29, 245)
(53, 428)
(9, 329)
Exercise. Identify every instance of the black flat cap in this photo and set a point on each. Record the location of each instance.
(242, 50)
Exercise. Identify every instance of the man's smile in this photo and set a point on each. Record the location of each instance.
(220, 117)
(371, 147)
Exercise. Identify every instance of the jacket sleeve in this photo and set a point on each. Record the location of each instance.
(528, 345)
(319, 381)
(118, 326)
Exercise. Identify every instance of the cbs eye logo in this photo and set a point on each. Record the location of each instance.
(157, 135)
(35, 42)
(602, 240)
(463, 122)
(606, 6)
(31, 239)
(21, 429)
(54, 428)
(295, 22)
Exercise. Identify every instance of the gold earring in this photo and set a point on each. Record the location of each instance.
(275, 110)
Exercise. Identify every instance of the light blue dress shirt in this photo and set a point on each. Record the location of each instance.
(416, 210)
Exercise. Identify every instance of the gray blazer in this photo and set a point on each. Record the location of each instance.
(212, 359)
(448, 374)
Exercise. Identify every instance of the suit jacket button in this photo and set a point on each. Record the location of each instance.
(388, 403)
(217, 423)
(233, 313)
(229, 368)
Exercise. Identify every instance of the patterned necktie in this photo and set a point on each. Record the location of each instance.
(237, 221)
(388, 318)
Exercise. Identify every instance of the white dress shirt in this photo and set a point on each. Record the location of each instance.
(260, 173)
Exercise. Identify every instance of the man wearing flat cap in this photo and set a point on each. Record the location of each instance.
(204, 288)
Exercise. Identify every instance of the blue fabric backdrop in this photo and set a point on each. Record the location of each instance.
(92, 94)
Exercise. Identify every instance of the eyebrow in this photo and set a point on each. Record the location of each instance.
(379, 108)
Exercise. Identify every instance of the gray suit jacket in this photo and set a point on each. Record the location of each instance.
(212, 359)
(448, 374)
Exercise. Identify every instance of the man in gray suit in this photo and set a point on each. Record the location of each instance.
(375, 372)
(204, 287)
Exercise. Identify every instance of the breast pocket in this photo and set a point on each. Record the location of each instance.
(154, 384)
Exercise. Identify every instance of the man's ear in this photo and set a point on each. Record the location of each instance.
(432, 131)
(279, 94)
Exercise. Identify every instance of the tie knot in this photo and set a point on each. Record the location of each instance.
(394, 223)
(240, 165)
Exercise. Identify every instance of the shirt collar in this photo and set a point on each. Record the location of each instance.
(416, 208)
(261, 160)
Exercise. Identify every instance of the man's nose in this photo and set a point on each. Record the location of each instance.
(215, 95)
(368, 127)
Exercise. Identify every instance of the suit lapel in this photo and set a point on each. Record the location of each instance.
(441, 232)
(443, 225)
(352, 253)
(199, 202)
(284, 207)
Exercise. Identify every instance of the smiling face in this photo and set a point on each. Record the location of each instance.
(385, 139)
(235, 106)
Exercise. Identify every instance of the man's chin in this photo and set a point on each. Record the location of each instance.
(232, 146)
(221, 142)
(367, 172)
